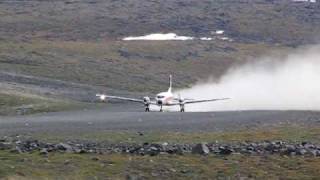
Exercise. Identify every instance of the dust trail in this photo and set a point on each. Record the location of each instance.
(292, 83)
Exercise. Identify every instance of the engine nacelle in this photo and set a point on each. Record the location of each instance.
(181, 101)
(146, 100)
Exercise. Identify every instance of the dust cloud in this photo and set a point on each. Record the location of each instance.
(290, 83)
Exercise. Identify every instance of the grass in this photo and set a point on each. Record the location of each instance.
(117, 166)
(126, 65)
(21, 104)
(288, 133)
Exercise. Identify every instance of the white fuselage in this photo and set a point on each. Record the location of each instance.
(164, 98)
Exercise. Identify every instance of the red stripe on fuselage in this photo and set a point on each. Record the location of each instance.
(166, 100)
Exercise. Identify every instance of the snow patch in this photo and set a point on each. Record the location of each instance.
(158, 37)
(172, 36)
(206, 38)
(225, 39)
(311, 1)
(219, 32)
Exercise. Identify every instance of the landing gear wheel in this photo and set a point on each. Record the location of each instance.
(182, 108)
(161, 109)
(147, 109)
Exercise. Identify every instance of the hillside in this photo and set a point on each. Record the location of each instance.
(80, 40)
(283, 21)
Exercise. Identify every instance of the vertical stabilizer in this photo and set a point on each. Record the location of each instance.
(170, 84)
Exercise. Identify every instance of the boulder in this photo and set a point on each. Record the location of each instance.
(225, 150)
(5, 145)
(44, 151)
(201, 148)
(64, 147)
(153, 151)
(301, 151)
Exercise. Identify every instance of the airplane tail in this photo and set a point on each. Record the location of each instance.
(170, 84)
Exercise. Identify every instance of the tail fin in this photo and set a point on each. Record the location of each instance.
(170, 84)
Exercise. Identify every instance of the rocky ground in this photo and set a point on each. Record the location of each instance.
(16, 145)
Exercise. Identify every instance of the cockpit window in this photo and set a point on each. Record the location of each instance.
(160, 97)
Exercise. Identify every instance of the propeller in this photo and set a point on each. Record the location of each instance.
(102, 97)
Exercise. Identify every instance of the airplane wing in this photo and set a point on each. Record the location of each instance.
(204, 100)
(104, 97)
(191, 101)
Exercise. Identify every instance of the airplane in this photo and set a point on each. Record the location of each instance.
(162, 99)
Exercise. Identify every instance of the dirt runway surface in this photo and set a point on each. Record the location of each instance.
(129, 117)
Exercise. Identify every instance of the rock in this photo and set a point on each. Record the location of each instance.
(80, 151)
(289, 150)
(140, 134)
(165, 144)
(225, 150)
(250, 148)
(184, 171)
(313, 152)
(132, 177)
(44, 151)
(134, 150)
(64, 147)
(34, 144)
(5, 145)
(301, 151)
(20, 145)
(174, 150)
(153, 151)
(201, 148)
(310, 146)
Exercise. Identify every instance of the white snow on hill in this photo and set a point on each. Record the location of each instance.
(311, 1)
(159, 37)
(175, 37)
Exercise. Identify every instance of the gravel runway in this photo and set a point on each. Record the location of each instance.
(128, 117)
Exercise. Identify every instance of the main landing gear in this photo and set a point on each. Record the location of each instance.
(147, 107)
(181, 107)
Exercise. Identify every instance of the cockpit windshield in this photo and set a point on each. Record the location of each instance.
(160, 97)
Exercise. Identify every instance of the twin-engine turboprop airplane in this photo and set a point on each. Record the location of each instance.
(161, 99)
